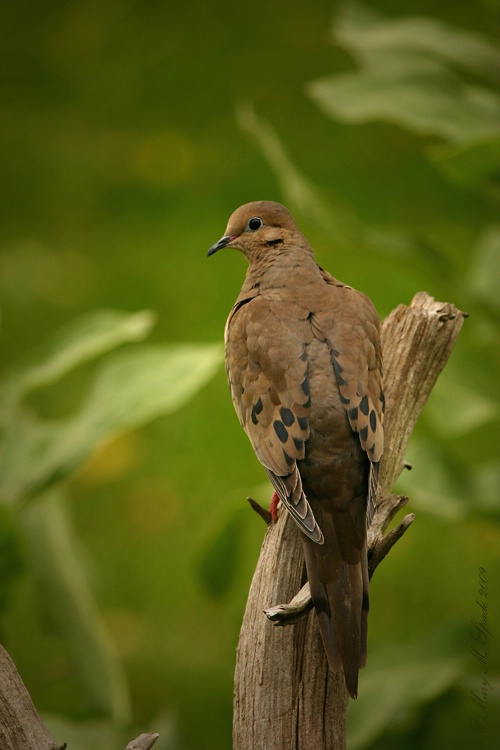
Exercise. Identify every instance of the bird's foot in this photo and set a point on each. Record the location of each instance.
(273, 508)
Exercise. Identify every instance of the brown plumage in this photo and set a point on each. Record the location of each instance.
(303, 361)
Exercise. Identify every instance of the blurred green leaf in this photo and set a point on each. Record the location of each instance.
(485, 481)
(135, 386)
(455, 409)
(406, 77)
(371, 36)
(81, 340)
(12, 557)
(425, 98)
(484, 277)
(472, 164)
(67, 601)
(219, 558)
(431, 484)
(130, 388)
(441, 486)
(398, 682)
(388, 693)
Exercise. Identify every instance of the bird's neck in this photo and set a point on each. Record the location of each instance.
(281, 267)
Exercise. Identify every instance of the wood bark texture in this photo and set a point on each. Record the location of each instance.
(285, 697)
(20, 725)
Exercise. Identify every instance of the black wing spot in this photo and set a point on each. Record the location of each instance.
(299, 444)
(373, 420)
(363, 433)
(338, 370)
(303, 423)
(280, 430)
(363, 405)
(256, 409)
(353, 413)
(287, 416)
(344, 399)
(306, 386)
(290, 461)
(382, 400)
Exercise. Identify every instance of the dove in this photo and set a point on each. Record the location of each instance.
(304, 367)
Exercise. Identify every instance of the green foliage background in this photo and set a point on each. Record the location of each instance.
(129, 132)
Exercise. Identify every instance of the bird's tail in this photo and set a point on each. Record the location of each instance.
(339, 589)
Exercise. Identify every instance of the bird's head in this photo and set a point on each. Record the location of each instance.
(257, 227)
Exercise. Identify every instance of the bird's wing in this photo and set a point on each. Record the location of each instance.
(348, 322)
(266, 364)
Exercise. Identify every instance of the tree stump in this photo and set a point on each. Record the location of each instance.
(285, 697)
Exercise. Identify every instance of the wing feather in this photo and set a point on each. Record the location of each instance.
(266, 364)
(350, 327)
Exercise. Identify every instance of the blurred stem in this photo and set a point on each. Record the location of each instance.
(67, 600)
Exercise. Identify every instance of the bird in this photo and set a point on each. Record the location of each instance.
(304, 366)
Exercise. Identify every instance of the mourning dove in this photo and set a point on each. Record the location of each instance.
(303, 361)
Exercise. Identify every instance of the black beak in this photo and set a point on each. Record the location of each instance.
(218, 245)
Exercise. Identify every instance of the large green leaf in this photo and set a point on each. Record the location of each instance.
(408, 77)
(68, 603)
(130, 388)
(81, 340)
(425, 98)
(371, 37)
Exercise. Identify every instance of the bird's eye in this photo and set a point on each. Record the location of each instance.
(254, 223)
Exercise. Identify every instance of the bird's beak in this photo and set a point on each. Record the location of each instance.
(223, 242)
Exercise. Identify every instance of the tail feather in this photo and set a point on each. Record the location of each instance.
(339, 590)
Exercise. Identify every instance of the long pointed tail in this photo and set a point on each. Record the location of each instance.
(339, 590)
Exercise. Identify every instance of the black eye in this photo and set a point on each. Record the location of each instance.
(254, 223)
